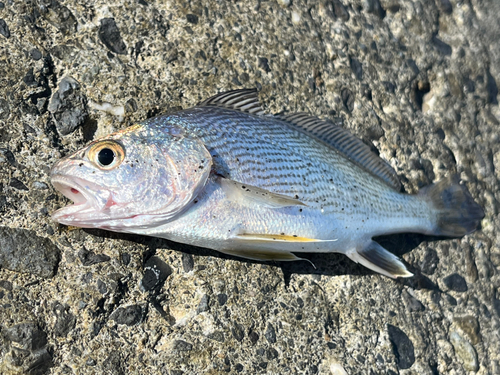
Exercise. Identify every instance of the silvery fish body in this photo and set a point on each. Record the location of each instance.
(223, 175)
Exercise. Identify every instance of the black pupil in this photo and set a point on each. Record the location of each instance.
(106, 156)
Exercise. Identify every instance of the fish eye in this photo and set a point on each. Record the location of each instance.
(106, 154)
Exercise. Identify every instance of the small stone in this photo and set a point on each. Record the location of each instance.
(222, 299)
(270, 334)
(68, 106)
(217, 336)
(16, 184)
(238, 332)
(27, 335)
(455, 282)
(88, 258)
(430, 261)
(4, 29)
(22, 250)
(465, 351)
(203, 305)
(470, 326)
(187, 262)
(402, 346)
(35, 54)
(192, 18)
(347, 99)
(264, 64)
(65, 320)
(182, 346)
(110, 36)
(356, 68)
(253, 336)
(441, 47)
(130, 315)
(4, 109)
(156, 272)
(58, 16)
(340, 10)
(38, 185)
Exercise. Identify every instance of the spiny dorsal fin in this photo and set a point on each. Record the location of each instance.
(244, 100)
(343, 141)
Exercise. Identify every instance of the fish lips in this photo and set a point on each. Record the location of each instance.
(87, 204)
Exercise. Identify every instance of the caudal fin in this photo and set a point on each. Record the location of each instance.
(457, 213)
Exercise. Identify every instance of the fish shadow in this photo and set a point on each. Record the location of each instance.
(324, 264)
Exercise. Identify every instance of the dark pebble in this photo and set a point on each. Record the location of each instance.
(264, 64)
(187, 262)
(389, 87)
(270, 334)
(357, 68)
(5, 284)
(253, 336)
(272, 354)
(182, 346)
(430, 261)
(156, 272)
(35, 54)
(4, 109)
(130, 315)
(68, 106)
(402, 346)
(109, 35)
(347, 99)
(62, 51)
(88, 258)
(203, 305)
(16, 184)
(238, 332)
(414, 305)
(101, 287)
(131, 105)
(340, 10)
(374, 7)
(114, 364)
(217, 336)
(22, 250)
(445, 6)
(492, 88)
(59, 16)
(2, 5)
(125, 257)
(238, 367)
(192, 18)
(27, 335)
(442, 47)
(65, 320)
(455, 282)
(4, 29)
(222, 299)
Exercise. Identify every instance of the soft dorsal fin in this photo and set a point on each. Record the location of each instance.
(343, 141)
(244, 100)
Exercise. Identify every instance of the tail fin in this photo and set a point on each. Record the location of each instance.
(457, 213)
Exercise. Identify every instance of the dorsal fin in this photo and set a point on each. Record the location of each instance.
(244, 100)
(343, 141)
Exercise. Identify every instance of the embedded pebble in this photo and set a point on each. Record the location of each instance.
(465, 351)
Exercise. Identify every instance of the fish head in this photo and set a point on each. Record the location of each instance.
(140, 177)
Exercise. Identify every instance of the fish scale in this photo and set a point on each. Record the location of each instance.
(225, 176)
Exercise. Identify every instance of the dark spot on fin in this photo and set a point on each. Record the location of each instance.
(244, 100)
(457, 212)
(378, 259)
(344, 142)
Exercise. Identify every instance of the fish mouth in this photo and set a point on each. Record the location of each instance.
(79, 191)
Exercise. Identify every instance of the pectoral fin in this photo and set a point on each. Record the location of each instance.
(252, 195)
(378, 259)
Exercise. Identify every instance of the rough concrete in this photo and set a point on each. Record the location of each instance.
(417, 79)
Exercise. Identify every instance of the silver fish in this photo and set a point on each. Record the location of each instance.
(223, 175)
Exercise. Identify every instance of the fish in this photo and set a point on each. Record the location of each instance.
(225, 175)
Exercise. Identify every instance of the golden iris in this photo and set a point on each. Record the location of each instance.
(106, 155)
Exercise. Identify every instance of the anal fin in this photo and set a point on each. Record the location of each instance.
(378, 259)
